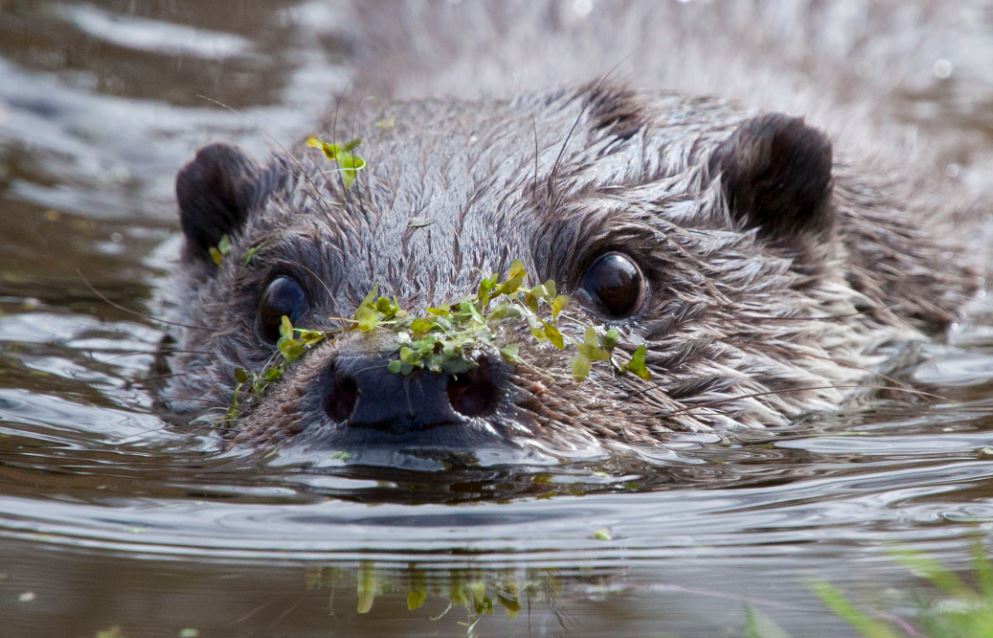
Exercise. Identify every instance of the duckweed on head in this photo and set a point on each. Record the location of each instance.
(448, 339)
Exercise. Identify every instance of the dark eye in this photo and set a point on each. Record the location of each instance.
(283, 296)
(614, 285)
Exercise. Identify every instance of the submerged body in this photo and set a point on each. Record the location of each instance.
(769, 264)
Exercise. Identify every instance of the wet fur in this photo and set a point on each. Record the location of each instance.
(756, 316)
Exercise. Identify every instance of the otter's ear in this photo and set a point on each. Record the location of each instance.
(776, 175)
(215, 192)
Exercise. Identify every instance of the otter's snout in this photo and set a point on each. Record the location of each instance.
(362, 393)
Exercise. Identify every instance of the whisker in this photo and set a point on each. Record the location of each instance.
(579, 117)
(272, 138)
(534, 130)
(319, 280)
(137, 313)
(849, 315)
(158, 377)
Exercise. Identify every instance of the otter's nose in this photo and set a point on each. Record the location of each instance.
(362, 393)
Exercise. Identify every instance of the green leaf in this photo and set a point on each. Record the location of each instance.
(558, 305)
(554, 336)
(486, 286)
(637, 365)
(580, 367)
(407, 355)
(314, 142)
(366, 316)
(416, 599)
(348, 163)
(531, 301)
(593, 353)
(458, 365)
(389, 307)
(506, 311)
(285, 328)
(310, 337)
(510, 605)
(422, 325)
(509, 353)
(366, 587)
(552, 290)
(249, 255)
(590, 337)
(515, 278)
(609, 340)
(291, 349)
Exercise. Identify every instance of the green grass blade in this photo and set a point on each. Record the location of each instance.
(936, 573)
(836, 602)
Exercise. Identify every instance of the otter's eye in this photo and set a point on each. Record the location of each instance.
(283, 296)
(614, 285)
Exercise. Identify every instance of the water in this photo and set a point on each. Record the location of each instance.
(111, 518)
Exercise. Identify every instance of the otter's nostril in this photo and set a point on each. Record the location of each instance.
(474, 393)
(341, 399)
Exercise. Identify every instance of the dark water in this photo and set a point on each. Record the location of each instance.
(111, 518)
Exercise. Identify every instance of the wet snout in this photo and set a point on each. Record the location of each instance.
(361, 393)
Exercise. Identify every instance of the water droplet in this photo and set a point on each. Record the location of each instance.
(943, 69)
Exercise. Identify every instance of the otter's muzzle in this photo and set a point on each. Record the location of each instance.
(360, 392)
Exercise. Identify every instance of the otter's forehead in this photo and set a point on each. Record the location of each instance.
(452, 189)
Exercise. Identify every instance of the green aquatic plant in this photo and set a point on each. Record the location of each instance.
(959, 610)
(445, 338)
(292, 343)
(859, 620)
(250, 253)
(448, 339)
(349, 163)
(479, 593)
(218, 252)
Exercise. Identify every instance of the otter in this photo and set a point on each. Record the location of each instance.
(770, 269)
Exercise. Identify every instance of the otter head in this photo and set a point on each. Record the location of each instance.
(714, 236)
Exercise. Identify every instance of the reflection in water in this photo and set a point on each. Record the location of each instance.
(111, 517)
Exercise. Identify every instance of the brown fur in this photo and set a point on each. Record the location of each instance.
(781, 267)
